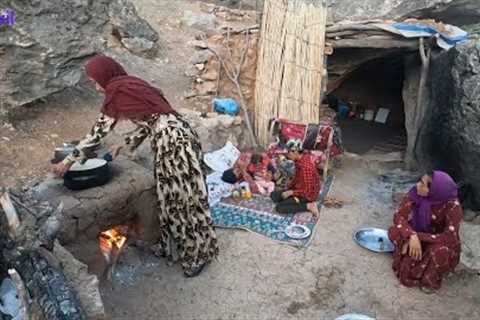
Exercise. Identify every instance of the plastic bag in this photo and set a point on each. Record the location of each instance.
(226, 106)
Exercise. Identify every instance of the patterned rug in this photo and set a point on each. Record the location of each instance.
(258, 215)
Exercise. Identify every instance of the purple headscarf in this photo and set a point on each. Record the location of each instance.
(442, 189)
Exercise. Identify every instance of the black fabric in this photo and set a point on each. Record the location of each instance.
(311, 136)
(229, 176)
(289, 205)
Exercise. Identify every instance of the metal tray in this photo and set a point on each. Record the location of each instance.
(354, 316)
(374, 239)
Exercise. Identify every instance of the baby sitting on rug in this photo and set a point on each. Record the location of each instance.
(254, 168)
(264, 182)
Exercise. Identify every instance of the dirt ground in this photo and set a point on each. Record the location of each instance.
(256, 278)
(253, 278)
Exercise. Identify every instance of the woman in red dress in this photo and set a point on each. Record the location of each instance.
(426, 232)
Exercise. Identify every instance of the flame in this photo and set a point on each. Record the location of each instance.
(112, 241)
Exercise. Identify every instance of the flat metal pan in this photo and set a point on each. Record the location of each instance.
(374, 239)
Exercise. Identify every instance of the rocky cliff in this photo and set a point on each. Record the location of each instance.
(454, 127)
(457, 12)
(44, 51)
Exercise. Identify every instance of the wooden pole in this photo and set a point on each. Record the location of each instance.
(420, 108)
(290, 63)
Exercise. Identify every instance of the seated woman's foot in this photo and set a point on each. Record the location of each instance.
(428, 290)
(194, 271)
(312, 207)
(158, 250)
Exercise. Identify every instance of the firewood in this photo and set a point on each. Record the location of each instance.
(11, 214)
(22, 293)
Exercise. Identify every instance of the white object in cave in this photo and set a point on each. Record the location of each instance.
(382, 115)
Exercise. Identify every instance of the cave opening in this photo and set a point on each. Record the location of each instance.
(373, 95)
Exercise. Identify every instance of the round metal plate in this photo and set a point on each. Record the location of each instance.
(374, 239)
(354, 316)
(297, 231)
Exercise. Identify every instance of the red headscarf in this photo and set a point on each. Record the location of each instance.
(125, 96)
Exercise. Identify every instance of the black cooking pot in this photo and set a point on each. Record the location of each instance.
(93, 173)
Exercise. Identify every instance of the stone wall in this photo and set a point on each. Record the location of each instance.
(454, 127)
(216, 129)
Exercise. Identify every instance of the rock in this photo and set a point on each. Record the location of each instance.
(460, 12)
(207, 87)
(470, 235)
(200, 21)
(84, 284)
(238, 121)
(243, 4)
(200, 66)
(226, 121)
(211, 74)
(198, 44)
(133, 32)
(454, 117)
(189, 112)
(192, 71)
(138, 45)
(44, 52)
(476, 221)
(470, 215)
(210, 123)
(201, 57)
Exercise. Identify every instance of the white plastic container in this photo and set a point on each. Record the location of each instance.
(369, 115)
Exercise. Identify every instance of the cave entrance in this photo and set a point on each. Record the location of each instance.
(373, 94)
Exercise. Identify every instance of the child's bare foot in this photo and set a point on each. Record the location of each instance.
(313, 209)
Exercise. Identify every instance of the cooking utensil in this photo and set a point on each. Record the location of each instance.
(60, 153)
(374, 239)
(93, 173)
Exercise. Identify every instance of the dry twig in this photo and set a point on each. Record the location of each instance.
(233, 74)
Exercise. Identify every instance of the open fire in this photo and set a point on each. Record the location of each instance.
(112, 243)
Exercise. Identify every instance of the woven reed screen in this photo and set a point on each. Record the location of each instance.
(290, 64)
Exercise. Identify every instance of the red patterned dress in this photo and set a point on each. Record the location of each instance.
(440, 249)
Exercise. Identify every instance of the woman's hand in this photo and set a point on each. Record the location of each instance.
(61, 168)
(415, 247)
(115, 150)
(287, 194)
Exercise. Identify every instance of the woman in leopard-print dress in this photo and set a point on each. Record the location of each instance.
(186, 229)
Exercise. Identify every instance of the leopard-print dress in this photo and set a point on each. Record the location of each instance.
(186, 227)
